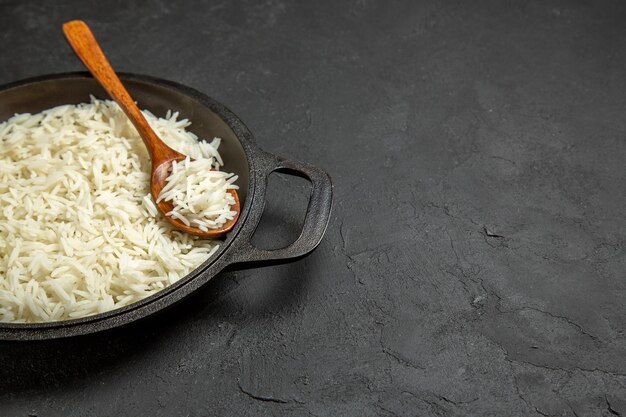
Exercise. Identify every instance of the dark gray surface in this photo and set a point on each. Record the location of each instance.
(474, 264)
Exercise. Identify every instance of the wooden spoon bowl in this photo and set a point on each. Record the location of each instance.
(84, 44)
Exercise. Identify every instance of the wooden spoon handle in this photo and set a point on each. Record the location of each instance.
(84, 44)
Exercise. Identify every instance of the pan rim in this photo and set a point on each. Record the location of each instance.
(208, 269)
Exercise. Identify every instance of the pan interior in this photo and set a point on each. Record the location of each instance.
(209, 119)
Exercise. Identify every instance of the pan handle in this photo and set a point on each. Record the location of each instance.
(315, 220)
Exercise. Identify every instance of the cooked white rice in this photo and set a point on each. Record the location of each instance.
(199, 193)
(79, 232)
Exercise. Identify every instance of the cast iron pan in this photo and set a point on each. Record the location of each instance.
(241, 156)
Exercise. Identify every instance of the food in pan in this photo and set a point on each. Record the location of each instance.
(79, 232)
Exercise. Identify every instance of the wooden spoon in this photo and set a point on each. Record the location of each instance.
(84, 44)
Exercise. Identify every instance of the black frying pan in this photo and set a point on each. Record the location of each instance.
(241, 156)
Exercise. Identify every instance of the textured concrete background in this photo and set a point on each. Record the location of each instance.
(474, 264)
